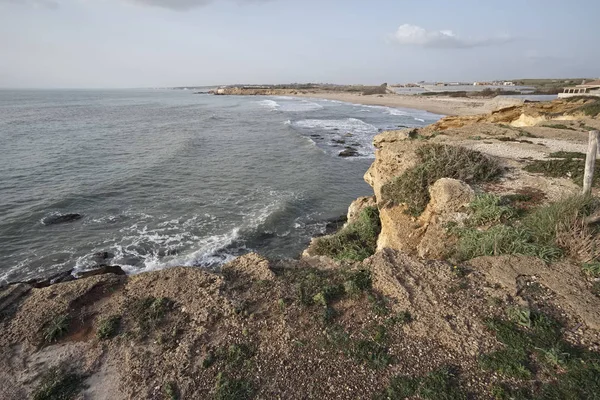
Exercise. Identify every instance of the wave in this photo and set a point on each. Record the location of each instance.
(270, 104)
(290, 104)
(348, 125)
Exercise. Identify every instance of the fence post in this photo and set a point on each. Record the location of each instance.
(590, 162)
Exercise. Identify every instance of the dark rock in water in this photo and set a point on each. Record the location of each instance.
(355, 144)
(61, 218)
(65, 276)
(336, 129)
(348, 134)
(103, 255)
(348, 152)
(340, 141)
(316, 136)
(102, 270)
(335, 224)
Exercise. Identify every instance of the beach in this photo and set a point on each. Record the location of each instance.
(437, 105)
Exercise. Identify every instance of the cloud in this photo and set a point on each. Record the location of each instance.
(412, 35)
(182, 5)
(35, 3)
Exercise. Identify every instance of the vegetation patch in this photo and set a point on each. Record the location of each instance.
(370, 349)
(591, 108)
(171, 391)
(356, 241)
(534, 347)
(436, 161)
(441, 384)
(546, 232)
(228, 388)
(488, 208)
(56, 328)
(149, 312)
(567, 155)
(559, 126)
(58, 384)
(108, 327)
(572, 168)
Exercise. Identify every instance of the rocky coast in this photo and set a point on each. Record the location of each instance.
(471, 273)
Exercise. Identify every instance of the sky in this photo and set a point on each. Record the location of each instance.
(163, 43)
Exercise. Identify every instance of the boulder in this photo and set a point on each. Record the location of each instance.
(101, 270)
(348, 152)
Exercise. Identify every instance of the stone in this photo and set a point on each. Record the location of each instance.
(61, 218)
(358, 205)
(251, 267)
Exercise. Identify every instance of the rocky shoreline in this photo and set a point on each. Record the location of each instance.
(409, 299)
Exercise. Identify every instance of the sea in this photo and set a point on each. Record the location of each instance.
(149, 179)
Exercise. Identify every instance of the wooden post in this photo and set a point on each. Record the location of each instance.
(590, 163)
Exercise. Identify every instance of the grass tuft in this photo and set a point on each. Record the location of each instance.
(150, 311)
(489, 208)
(109, 327)
(232, 389)
(171, 391)
(441, 384)
(58, 384)
(437, 161)
(356, 241)
(56, 328)
(547, 233)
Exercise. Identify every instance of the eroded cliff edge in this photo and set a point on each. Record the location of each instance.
(462, 297)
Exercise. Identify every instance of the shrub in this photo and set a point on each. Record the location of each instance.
(232, 389)
(436, 161)
(356, 241)
(441, 384)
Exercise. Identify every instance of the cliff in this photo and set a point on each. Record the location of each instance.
(468, 274)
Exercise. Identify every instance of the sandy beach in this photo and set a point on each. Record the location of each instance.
(437, 105)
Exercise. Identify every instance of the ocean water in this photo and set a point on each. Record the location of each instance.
(167, 177)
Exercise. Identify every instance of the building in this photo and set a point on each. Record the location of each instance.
(585, 89)
(509, 84)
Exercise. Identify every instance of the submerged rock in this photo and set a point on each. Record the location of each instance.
(61, 218)
(348, 152)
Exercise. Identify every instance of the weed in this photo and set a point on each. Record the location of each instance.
(441, 384)
(329, 294)
(108, 327)
(520, 315)
(592, 269)
(171, 391)
(437, 161)
(378, 304)
(232, 389)
(561, 168)
(209, 360)
(356, 241)
(403, 317)
(56, 328)
(596, 289)
(58, 384)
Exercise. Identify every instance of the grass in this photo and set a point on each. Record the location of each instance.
(370, 350)
(546, 232)
(436, 161)
(108, 327)
(149, 312)
(56, 328)
(58, 384)
(567, 155)
(489, 208)
(440, 384)
(356, 241)
(536, 348)
(228, 388)
(572, 168)
(171, 391)
(592, 269)
(559, 126)
(325, 287)
(591, 109)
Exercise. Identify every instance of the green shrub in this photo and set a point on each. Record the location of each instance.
(572, 168)
(356, 241)
(436, 161)
(591, 109)
(149, 312)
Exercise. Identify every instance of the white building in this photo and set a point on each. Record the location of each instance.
(585, 89)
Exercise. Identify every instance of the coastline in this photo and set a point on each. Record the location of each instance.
(437, 105)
